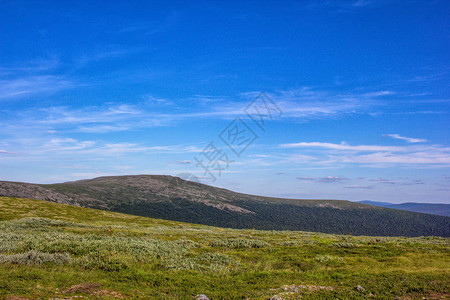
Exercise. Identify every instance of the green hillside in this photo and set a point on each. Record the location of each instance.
(172, 198)
(56, 251)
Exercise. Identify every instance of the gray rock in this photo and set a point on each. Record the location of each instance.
(360, 289)
(201, 297)
(276, 297)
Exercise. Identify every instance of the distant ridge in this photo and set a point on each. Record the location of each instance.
(440, 209)
(172, 198)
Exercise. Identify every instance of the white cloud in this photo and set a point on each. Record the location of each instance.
(181, 162)
(208, 99)
(37, 65)
(331, 179)
(156, 101)
(332, 154)
(297, 105)
(441, 158)
(407, 139)
(379, 93)
(65, 144)
(105, 53)
(328, 179)
(122, 109)
(383, 180)
(30, 85)
(342, 146)
(102, 128)
(6, 152)
(57, 147)
(87, 115)
(307, 102)
(358, 187)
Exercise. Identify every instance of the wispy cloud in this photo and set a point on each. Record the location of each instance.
(358, 187)
(361, 3)
(150, 28)
(307, 102)
(75, 148)
(397, 182)
(152, 100)
(181, 162)
(440, 157)
(107, 53)
(31, 85)
(342, 146)
(331, 179)
(103, 128)
(328, 179)
(108, 113)
(109, 118)
(151, 111)
(33, 77)
(208, 99)
(414, 182)
(407, 139)
(383, 180)
(6, 152)
(346, 6)
(37, 65)
(374, 155)
(379, 93)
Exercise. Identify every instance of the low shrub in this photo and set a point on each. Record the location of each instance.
(237, 243)
(32, 258)
(328, 258)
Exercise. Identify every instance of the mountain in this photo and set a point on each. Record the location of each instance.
(375, 203)
(426, 208)
(172, 198)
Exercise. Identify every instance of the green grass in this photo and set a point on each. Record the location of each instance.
(50, 250)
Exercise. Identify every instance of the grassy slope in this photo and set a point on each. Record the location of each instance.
(171, 198)
(139, 257)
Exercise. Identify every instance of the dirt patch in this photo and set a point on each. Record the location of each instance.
(83, 288)
(92, 289)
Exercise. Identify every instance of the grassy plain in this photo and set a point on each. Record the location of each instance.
(50, 250)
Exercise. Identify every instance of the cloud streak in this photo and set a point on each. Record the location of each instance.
(328, 179)
(407, 139)
(358, 187)
(6, 152)
(31, 85)
(373, 155)
(342, 146)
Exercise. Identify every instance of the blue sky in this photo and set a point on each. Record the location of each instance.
(355, 101)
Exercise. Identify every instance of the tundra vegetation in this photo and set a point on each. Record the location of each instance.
(51, 250)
